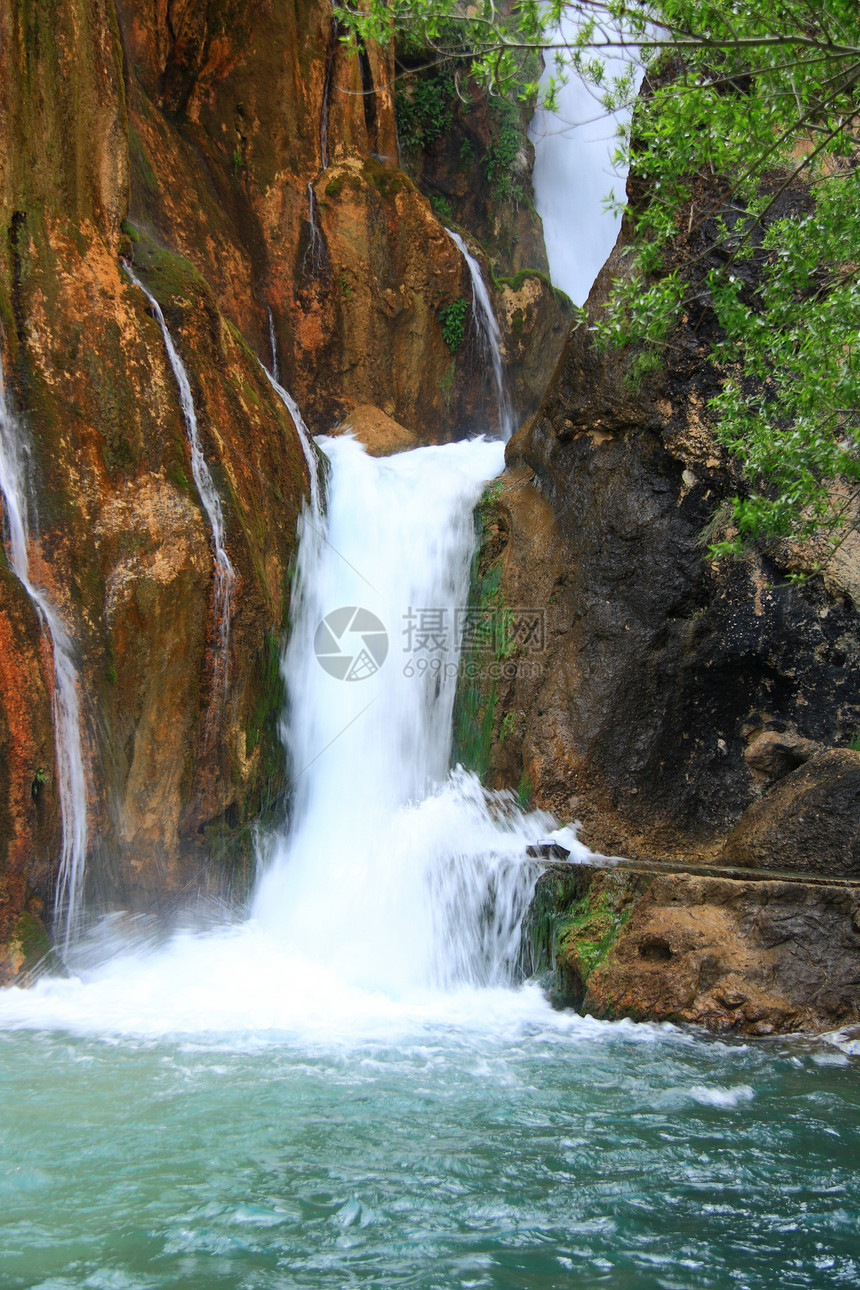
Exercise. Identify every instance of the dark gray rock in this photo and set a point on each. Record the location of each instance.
(809, 822)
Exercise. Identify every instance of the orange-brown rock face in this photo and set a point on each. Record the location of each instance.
(181, 746)
(29, 823)
(264, 151)
(246, 161)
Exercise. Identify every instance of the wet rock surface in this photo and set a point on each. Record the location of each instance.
(744, 956)
(809, 821)
(248, 166)
(666, 690)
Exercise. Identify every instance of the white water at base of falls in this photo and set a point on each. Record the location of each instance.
(71, 771)
(225, 575)
(574, 175)
(491, 336)
(393, 900)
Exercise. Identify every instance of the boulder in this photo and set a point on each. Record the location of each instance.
(754, 956)
(380, 433)
(809, 822)
(774, 753)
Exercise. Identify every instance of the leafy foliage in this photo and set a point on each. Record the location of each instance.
(453, 320)
(502, 154)
(422, 108)
(748, 103)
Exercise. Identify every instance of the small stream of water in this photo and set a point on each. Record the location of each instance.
(69, 751)
(225, 574)
(490, 335)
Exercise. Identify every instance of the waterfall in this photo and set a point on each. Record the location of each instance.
(72, 780)
(574, 175)
(304, 438)
(333, 40)
(313, 258)
(413, 877)
(491, 337)
(393, 897)
(225, 575)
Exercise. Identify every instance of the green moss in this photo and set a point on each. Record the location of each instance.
(516, 281)
(586, 935)
(167, 274)
(144, 181)
(575, 919)
(477, 690)
(387, 182)
(29, 941)
(177, 477)
(270, 693)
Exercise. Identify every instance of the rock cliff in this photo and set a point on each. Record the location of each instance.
(692, 714)
(244, 157)
(659, 674)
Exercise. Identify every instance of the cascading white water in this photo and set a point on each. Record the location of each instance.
(491, 337)
(574, 175)
(394, 898)
(302, 431)
(225, 576)
(412, 877)
(71, 772)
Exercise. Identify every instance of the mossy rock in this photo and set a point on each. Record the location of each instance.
(575, 919)
(517, 281)
(167, 274)
(477, 693)
(29, 950)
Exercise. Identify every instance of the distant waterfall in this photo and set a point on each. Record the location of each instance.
(331, 52)
(72, 779)
(315, 252)
(225, 575)
(491, 337)
(574, 174)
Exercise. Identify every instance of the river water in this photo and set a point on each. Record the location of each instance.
(351, 1086)
(500, 1145)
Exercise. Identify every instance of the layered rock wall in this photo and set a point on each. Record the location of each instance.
(661, 673)
(244, 158)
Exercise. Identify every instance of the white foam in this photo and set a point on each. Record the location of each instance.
(724, 1099)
